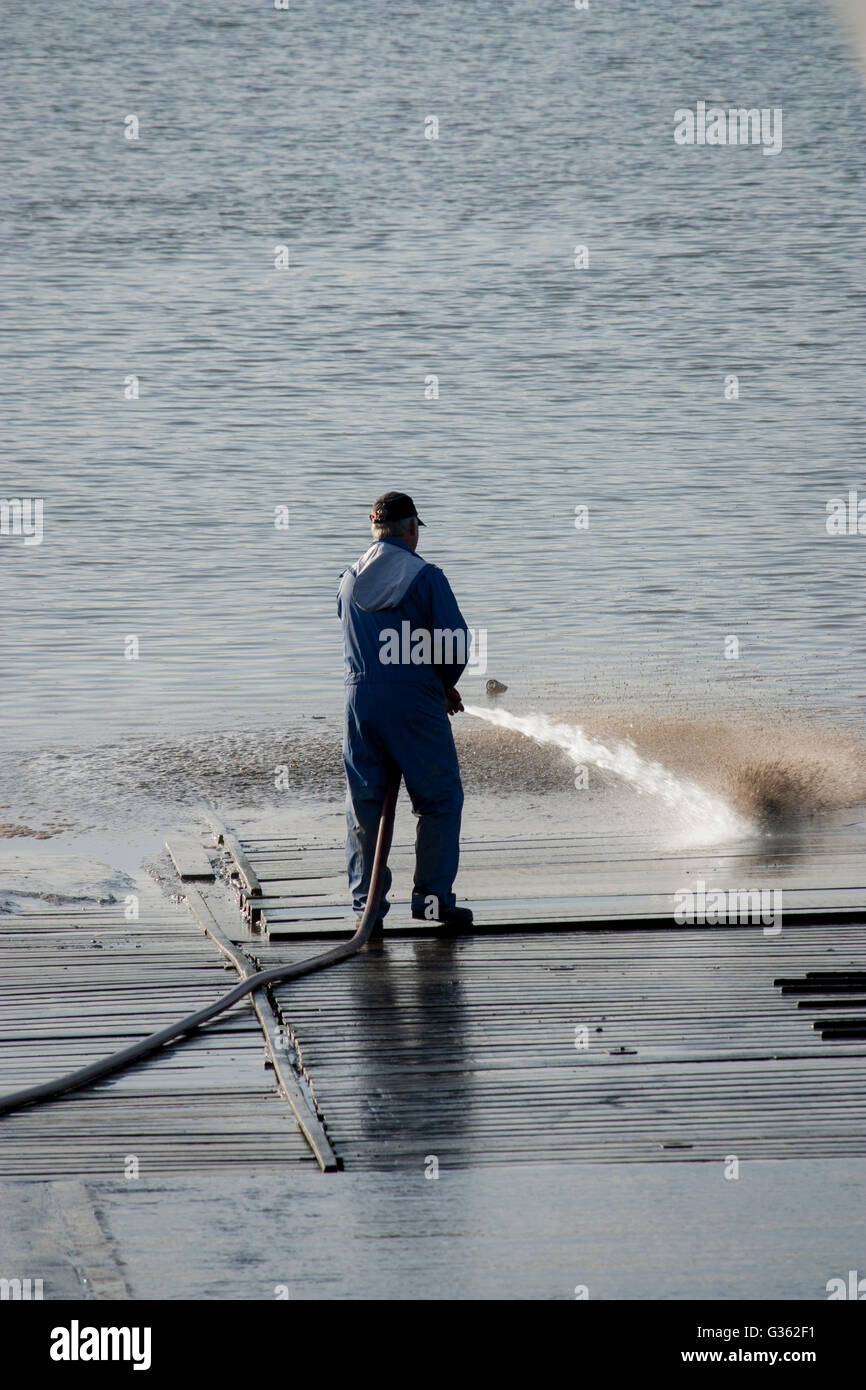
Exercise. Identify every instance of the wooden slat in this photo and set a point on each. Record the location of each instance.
(189, 858)
(244, 868)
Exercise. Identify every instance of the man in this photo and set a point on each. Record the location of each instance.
(406, 646)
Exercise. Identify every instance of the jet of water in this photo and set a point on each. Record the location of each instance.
(705, 816)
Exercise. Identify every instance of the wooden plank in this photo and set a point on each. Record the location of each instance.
(244, 868)
(189, 858)
(509, 919)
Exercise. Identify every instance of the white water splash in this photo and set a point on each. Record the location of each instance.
(705, 818)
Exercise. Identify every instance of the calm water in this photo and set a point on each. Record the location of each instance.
(305, 387)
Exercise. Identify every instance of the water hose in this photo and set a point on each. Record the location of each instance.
(50, 1090)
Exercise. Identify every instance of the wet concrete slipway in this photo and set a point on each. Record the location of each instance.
(583, 1098)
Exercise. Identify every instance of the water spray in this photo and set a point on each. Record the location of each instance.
(698, 809)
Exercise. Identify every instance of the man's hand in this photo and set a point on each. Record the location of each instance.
(454, 701)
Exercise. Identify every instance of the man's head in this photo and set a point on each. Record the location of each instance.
(394, 514)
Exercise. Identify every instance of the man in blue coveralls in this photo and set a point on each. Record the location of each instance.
(406, 646)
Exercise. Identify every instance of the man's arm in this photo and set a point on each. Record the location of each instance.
(448, 622)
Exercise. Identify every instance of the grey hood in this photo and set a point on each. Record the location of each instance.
(384, 574)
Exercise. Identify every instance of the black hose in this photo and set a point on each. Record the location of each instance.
(49, 1090)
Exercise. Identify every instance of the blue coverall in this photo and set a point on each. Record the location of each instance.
(397, 714)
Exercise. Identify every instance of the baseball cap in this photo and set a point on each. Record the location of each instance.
(393, 506)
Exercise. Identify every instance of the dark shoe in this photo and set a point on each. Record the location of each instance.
(454, 919)
(457, 919)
